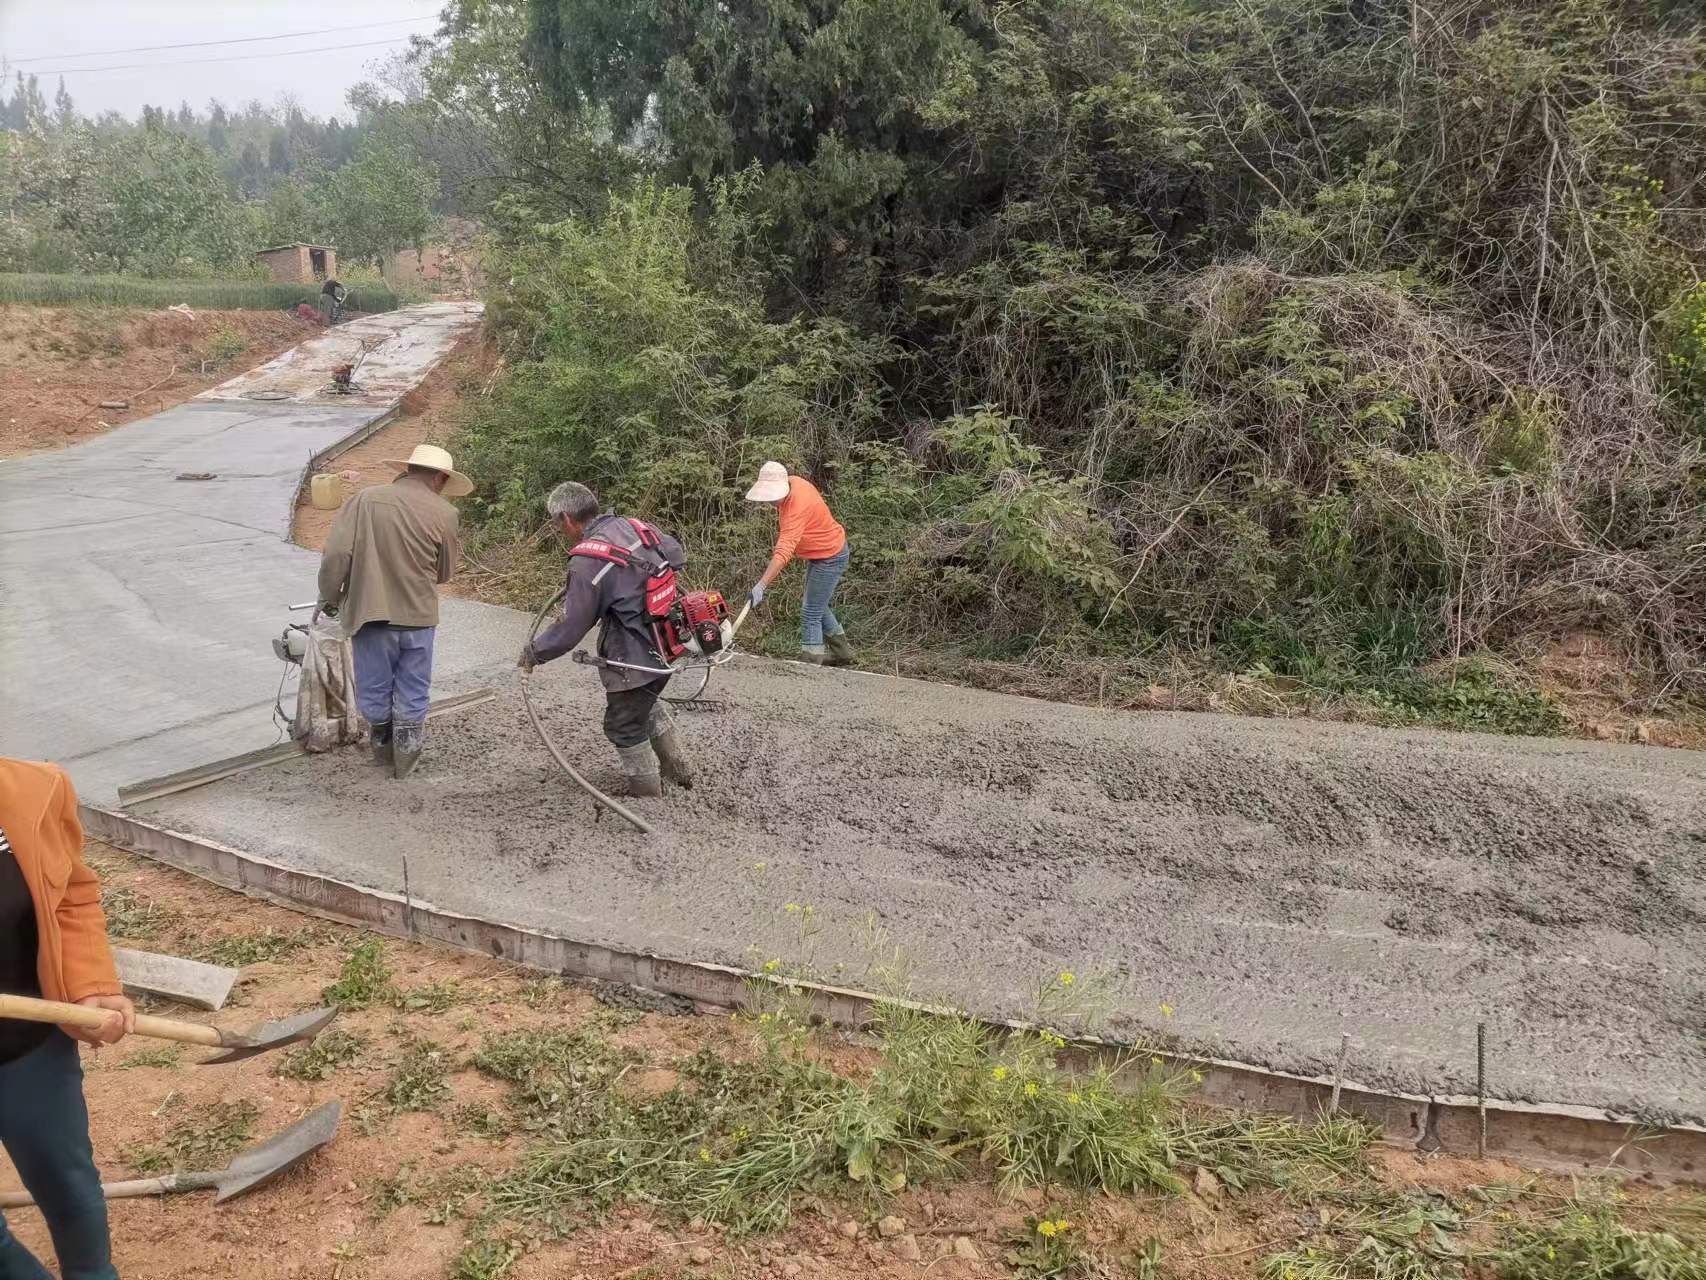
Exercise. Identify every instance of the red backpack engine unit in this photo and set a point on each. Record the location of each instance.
(696, 622)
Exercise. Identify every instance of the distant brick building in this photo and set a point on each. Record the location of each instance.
(299, 263)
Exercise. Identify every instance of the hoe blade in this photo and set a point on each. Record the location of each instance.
(273, 1035)
(280, 1153)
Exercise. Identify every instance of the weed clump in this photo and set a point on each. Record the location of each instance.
(365, 978)
(204, 1139)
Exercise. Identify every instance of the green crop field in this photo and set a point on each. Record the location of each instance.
(128, 291)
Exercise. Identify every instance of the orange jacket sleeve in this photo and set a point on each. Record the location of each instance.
(792, 515)
(84, 950)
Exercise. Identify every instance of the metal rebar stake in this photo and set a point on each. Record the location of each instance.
(1481, 1087)
(1339, 1075)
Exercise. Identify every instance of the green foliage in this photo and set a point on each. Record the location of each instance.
(242, 949)
(364, 979)
(418, 1081)
(134, 917)
(739, 1142)
(1296, 341)
(203, 1140)
(322, 1057)
(1590, 1242)
(126, 291)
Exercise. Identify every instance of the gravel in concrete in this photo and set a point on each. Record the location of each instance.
(1274, 883)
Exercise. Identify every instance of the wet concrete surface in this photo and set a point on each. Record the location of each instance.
(1276, 884)
(145, 573)
(393, 351)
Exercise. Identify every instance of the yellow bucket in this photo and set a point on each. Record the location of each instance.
(326, 491)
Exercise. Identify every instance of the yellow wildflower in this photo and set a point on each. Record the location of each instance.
(1166, 1010)
(704, 1155)
(759, 866)
(1031, 1088)
(1196, 1077)
(770, 966)
(1075, 1098)
(1155, 1062)
(1067, 979)
(1061, 1224)
(1046, 1228)
(1000, 1073)
(791, 907)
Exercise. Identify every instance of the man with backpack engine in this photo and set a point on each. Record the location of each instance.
(621, 575)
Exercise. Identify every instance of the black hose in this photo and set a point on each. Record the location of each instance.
(598, 796)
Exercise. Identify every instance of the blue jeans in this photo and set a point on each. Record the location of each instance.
(816, 620)
(393, 673)
(44, 1126)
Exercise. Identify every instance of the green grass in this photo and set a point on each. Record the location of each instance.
(243, 949)
(418, 1083)
(321, 1057)
(205, 1139)
(126, 291)
(134, 917)
(364, 979)
(166, 1056)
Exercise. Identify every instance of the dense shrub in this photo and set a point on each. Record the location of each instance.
(1329, 341)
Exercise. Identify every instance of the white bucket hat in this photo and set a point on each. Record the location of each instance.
(772, 485)
(433, 458)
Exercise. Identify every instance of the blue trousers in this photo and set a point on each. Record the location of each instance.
(44, 1126)
(816, 620)
(393, 672)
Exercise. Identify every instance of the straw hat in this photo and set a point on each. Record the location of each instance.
(433, 458)
(772, 484)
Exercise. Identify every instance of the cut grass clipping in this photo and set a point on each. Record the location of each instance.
(204, 1139)
(124, 291)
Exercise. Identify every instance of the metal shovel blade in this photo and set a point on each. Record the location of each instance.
(272, 1035)
(280, 1153)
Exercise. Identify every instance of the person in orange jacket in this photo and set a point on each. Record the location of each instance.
(806, 529)
(53, 944)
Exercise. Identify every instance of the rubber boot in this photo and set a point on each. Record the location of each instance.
(672, 760)
(813, 654)
(640, 768)
(382, 743)
(841, 652)
(407, 738)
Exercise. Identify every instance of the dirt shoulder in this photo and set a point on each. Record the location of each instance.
(408, 1187)
(58, 365)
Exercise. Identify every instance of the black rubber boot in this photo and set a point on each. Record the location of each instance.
(407, 738)
(672, 760)
(813, 654)
(841, 652)
(382, 743)
(640, 768)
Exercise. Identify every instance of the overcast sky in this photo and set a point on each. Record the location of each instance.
(46, 36)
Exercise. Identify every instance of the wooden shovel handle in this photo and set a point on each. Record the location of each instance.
(28, 1009)
(160, 1186)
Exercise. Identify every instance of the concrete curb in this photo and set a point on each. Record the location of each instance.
(1557, 1137)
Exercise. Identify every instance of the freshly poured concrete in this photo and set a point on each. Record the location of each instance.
(1276, 884)
(140, 604)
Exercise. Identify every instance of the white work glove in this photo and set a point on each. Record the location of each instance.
(755, 597)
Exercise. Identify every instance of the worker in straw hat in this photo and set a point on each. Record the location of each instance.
(391, 547)
(806, 529)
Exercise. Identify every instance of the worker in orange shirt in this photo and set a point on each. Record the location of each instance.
(809, 531)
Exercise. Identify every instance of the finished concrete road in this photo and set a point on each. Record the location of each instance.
(141, 600)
